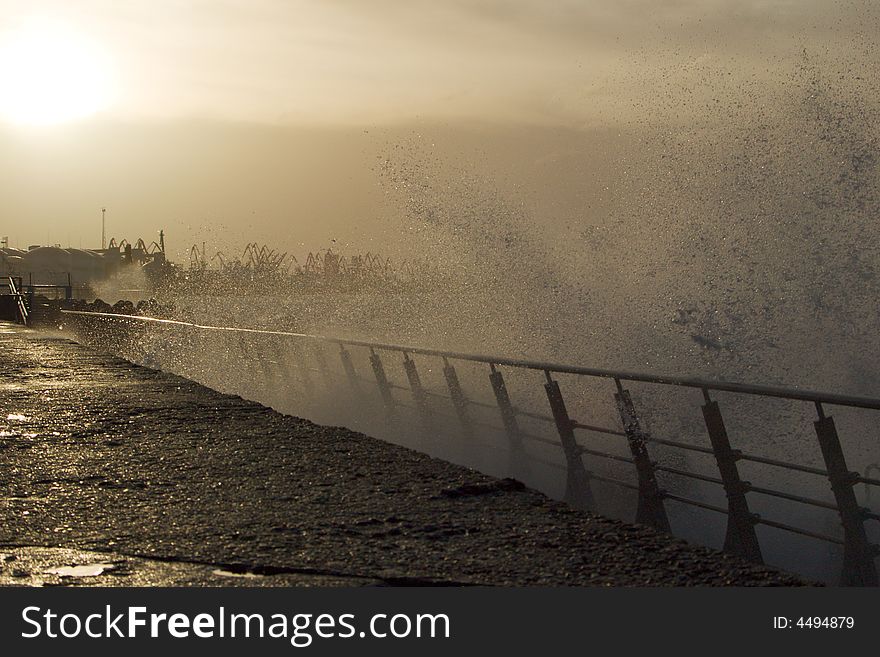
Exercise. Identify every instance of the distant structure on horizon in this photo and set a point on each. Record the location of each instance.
(53, 265)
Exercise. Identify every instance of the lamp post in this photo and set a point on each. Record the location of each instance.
(103, 230)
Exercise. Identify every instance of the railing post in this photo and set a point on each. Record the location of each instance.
(348, 366)
(321, 359)
(858, 554)
(227, 345)
(577, 481)
(301, 365)
(251, 377)
(508, 418)
(262, 356)
(243, 355)
(185, 359)
(649, 510)
(459, 401)
(18, 297)
(281, 376)
(418, 392)
(740, 538)
(382, 382)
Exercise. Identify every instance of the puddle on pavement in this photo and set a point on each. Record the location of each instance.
(45, 566)
(229, 573)
(85, 570)
(15, 434)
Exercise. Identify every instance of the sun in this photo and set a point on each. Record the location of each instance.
(50, 74)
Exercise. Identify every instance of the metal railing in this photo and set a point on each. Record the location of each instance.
(859, 554)
(14, 290)
(57, 291)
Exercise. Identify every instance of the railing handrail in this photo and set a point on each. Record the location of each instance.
(799, 394)
(859, 566)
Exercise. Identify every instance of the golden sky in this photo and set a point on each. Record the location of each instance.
(99, 95)
(285, 61)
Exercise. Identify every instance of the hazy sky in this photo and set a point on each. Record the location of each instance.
(211, 101)
(356, 60)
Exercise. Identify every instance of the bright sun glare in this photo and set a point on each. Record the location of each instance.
(49, 74)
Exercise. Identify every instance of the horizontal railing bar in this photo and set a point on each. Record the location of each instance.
(798, 530)
(495, 427)
(782, 464)
(528, 436)
(622, 375)
(689, 475)
(481, 404)
(534, 416)
(702, 505)
(590, 427)
(605, 455)
(675, 443)
(762, 521)
(438, 395)
(469, 402)
(483, 443)
(611, 480)
(535, 437)
(793, 498)
(472, 441)
(867, 480)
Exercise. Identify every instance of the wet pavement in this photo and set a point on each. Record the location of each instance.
(41, 566)
(114, 474)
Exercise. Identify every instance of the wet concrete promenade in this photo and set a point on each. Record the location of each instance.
(114, 474)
